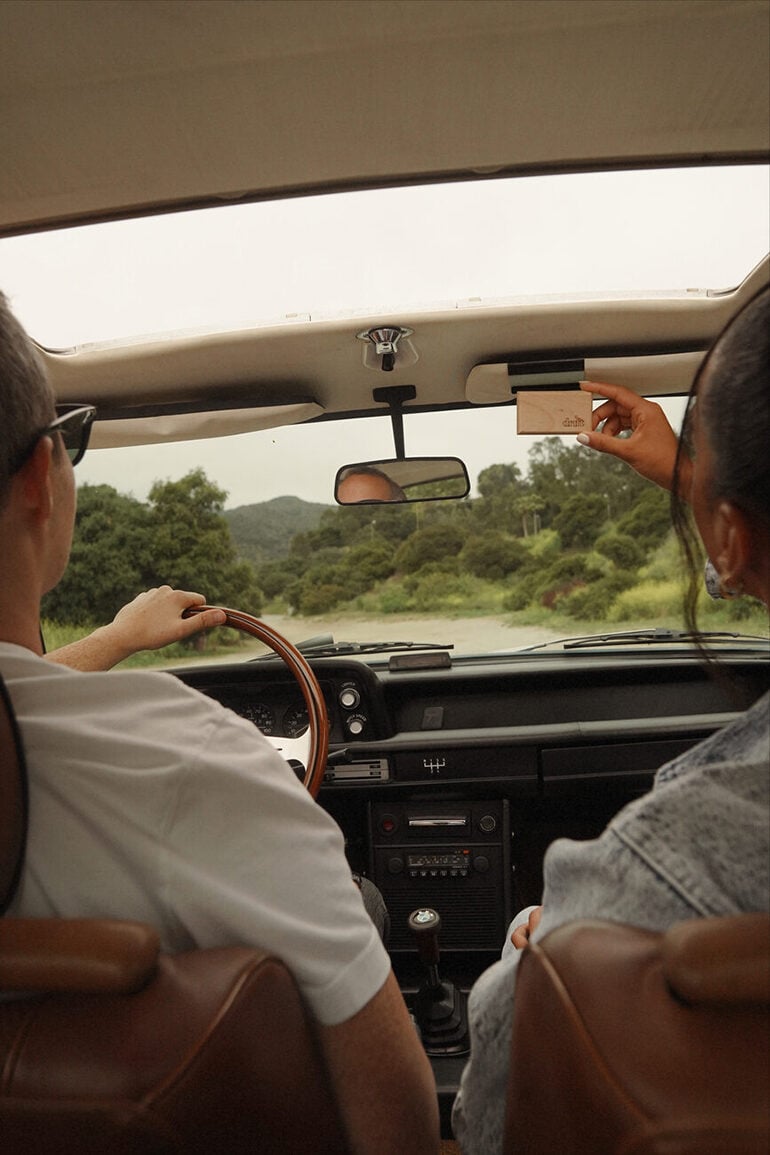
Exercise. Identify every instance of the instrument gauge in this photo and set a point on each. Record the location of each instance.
(262, 716)
(295, 721)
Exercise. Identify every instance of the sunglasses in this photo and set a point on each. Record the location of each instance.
(73, 424)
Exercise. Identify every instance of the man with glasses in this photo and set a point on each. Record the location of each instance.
(154, 618)
(149, 801)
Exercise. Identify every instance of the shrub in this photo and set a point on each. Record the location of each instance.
(545, 546)
(435, 590)
(564, 575)
(621, 549)
(594, 601)
(518, 597)
(393, 599)
(493, 555)
(665, 561)
(319, 599)
(432, 544)
(649, 600)
(650, 519)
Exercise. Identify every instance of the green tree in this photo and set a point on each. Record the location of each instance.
(110, 560)
(493, 555)
(558, 472)
(649, 520)
(496, 479)
(435, 543)
(526, 506)
(581, 520)
(191, 543)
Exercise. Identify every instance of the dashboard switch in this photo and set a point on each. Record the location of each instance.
(349, 698)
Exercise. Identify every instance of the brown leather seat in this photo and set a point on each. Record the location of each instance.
(630, 1042)
(107, 1045)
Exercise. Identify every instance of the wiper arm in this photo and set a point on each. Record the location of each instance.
(643, 637)
(326, 648)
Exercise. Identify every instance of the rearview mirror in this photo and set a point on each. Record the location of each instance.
(401, 479)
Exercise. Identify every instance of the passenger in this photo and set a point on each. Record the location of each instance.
(363, 484)
(149, 801)
(699, 843)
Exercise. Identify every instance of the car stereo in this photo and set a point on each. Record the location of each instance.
(452, 857)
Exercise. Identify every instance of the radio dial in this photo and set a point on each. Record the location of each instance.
(488, 824)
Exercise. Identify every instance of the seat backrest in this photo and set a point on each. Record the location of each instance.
(108, 1045)
(629, 1042)
(13, 801)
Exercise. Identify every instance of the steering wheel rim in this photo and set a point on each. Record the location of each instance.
(318, 721)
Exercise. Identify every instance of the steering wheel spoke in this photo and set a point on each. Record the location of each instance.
(293, 749)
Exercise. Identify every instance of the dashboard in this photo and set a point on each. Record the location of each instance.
(450, 778)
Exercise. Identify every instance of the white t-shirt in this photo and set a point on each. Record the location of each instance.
(149, 801)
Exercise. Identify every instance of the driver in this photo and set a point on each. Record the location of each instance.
(364, 484)
(149, 801)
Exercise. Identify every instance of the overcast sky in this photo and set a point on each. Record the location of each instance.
(354, 252)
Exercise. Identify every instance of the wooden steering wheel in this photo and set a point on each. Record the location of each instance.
(312, 748)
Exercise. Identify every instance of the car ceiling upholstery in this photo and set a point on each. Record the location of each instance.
(112, 108)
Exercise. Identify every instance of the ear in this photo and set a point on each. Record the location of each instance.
(35, 481)
(733, 544)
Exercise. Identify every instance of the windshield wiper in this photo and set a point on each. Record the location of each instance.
(324, 646)
(643, 637)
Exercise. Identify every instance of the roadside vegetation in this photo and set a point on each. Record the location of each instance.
(580, 544)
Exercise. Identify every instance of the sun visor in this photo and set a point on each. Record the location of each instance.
(151, 429)
(649, 375)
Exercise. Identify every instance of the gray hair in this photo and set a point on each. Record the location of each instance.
(26, 396)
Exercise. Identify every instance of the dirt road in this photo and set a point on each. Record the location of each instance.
(467, 634)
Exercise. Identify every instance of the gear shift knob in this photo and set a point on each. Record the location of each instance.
(438, 1007)
(425, 924)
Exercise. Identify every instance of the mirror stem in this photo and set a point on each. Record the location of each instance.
(394, 397)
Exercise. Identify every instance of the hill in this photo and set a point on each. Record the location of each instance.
(262, 532)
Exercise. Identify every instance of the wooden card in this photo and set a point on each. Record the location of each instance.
(542, 411)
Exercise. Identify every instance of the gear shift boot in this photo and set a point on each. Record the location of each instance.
(439, 1007)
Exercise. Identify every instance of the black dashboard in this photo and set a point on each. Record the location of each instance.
(450, 778)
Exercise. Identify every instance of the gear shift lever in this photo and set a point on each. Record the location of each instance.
(439, 1007)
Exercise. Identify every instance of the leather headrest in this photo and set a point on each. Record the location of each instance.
(723, 960)
(76, 955)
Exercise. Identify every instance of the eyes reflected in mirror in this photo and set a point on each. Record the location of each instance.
(401, 480)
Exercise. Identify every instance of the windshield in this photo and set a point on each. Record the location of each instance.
(552, 541)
